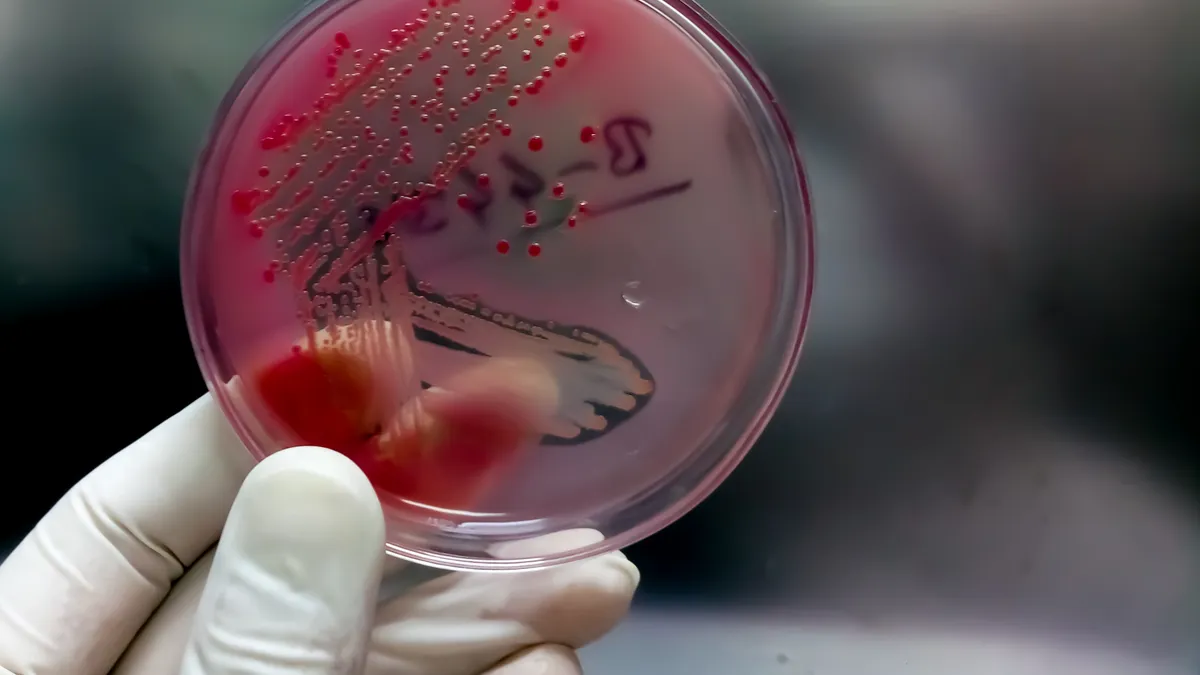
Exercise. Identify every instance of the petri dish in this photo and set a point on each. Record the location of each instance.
(399, 192)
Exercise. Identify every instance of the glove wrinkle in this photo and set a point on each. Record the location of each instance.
(153, 560)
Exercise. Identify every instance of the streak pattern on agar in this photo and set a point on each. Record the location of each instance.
(388, 137)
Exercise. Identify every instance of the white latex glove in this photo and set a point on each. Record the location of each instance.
(120, 573)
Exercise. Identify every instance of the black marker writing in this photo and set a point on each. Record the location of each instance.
(624, 139)
(480, 197)
(626, 154)
(527, 185)
(429, 217)
(578, 167)
(640, 198)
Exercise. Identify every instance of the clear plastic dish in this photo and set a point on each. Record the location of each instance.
(596, 202)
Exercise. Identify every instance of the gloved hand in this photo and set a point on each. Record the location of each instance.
(120, 572)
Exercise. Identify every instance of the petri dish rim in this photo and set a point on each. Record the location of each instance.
(715, 458)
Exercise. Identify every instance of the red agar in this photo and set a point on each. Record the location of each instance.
(327, 400)
(323, 400)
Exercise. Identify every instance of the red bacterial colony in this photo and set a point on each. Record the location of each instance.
(337, 181)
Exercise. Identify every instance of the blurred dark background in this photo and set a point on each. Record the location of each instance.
(993, 425)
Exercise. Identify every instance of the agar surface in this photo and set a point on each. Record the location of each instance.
(374, 162)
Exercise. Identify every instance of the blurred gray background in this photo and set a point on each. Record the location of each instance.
(987, 462)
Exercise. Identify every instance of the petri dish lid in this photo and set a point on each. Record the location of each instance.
(401, 192)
